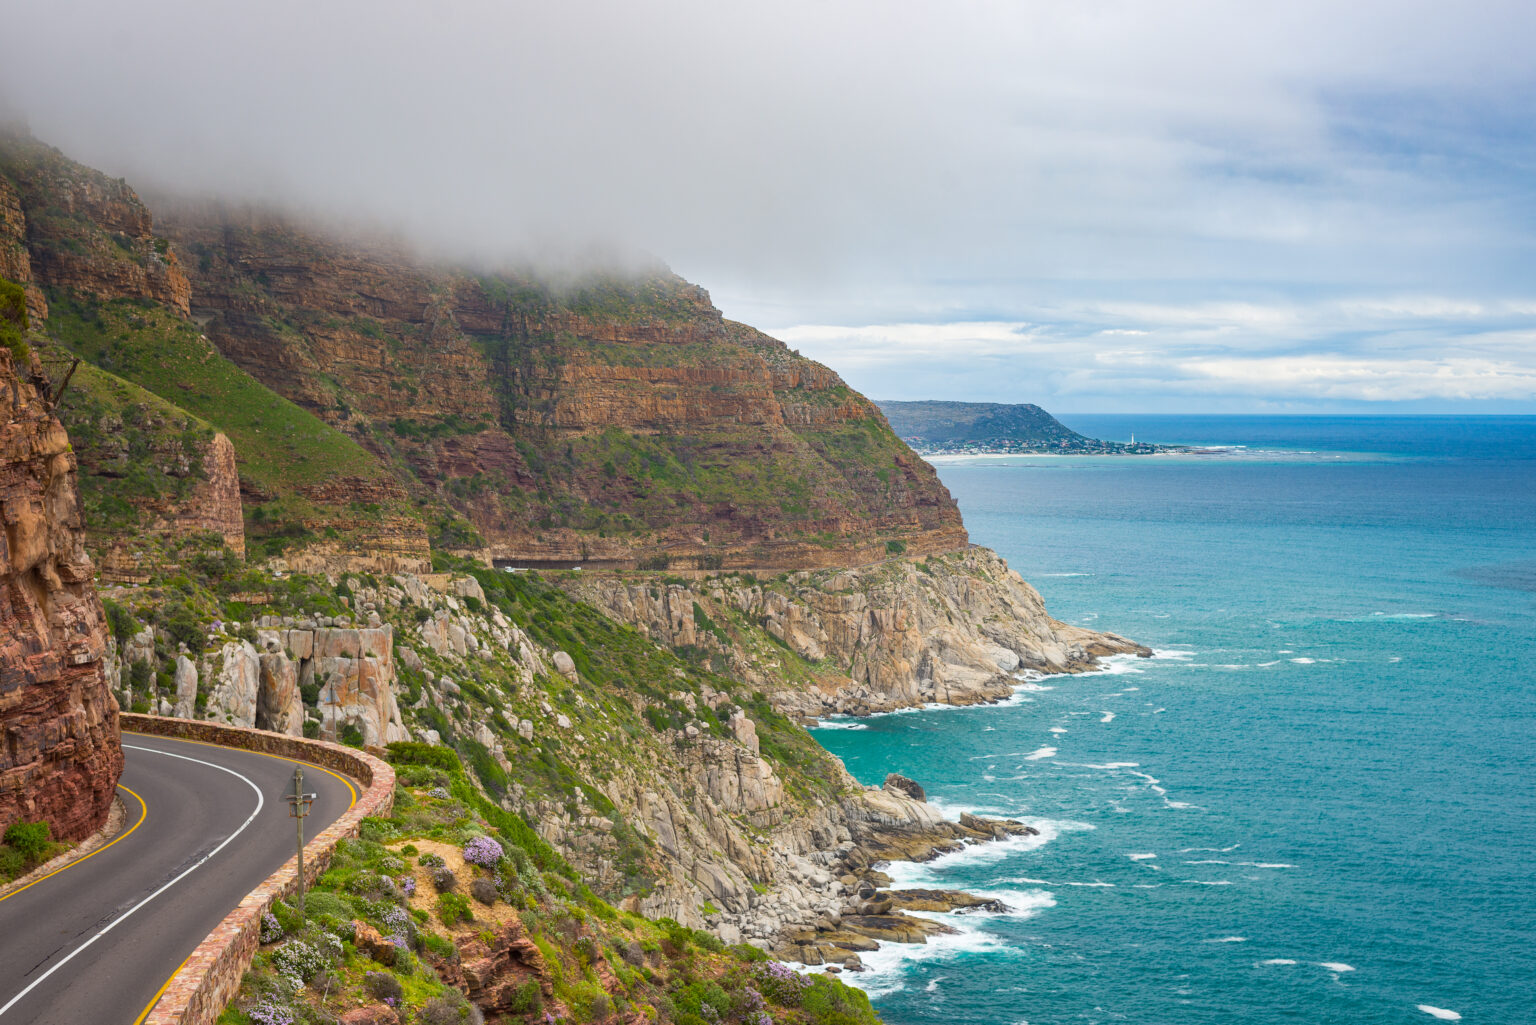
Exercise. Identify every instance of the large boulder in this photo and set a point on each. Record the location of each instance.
(236, 680)
(279, 704)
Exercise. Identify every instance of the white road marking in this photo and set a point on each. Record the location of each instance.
(260, 803)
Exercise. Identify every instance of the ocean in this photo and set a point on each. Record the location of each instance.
(1316, 804)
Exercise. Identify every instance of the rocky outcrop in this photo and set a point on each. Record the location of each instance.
(234, 683)
(353, 668)
(60, 759)
(958, 629)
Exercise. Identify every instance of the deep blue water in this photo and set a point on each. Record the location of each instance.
(1318, 804)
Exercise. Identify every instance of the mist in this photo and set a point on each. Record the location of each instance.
(825, 167)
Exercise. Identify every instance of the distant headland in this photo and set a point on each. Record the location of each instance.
(957, 428)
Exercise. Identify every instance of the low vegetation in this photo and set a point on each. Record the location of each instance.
(376, 934)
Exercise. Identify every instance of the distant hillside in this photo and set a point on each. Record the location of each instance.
(933, 427)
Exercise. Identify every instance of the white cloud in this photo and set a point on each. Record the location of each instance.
(1211, 173)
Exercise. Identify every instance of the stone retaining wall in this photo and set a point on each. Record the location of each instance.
(210, 978)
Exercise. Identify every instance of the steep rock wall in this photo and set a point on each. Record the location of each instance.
(956, 629)
(60, 759)
(620, 421)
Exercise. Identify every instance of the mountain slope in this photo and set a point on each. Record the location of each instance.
(620, 420)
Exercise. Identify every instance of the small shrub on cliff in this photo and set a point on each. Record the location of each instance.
(452, 1009)
(31, 839)
(483, 851)
(13, 319)
(483, 890)
(444, 880)
(385, 987)
(268, 1013)
(301, 960)
(430, 860)
(453, 908)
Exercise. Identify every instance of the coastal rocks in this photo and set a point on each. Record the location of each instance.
(896, 781)
(953, 629)
(60, 759)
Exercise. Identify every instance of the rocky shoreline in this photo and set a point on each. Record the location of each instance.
(872, 914)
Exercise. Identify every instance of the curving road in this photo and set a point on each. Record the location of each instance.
(98, 941)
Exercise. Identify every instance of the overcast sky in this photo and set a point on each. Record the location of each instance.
(1097, 206)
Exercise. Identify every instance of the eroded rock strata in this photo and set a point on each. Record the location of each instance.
(60, 758)
(958, 629)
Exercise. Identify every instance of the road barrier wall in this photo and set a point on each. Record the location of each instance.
(200, 990)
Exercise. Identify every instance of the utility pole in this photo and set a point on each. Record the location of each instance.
(299, 804)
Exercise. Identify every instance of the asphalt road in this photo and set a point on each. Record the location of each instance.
(99, 940)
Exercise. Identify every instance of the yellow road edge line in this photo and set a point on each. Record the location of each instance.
(143, 814)
(265, 754)
(160, 992)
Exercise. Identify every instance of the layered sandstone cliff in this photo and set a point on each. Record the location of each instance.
(621, 421)
(60, 759)
(958, 629)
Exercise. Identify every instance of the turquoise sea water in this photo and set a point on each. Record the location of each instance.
(1317, 804)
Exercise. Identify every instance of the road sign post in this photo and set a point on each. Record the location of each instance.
(299, 804)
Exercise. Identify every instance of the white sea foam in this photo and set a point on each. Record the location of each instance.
(933, 984)
(1172, 653)
(1044, 752)
(1304, 661)
(1057, 730)
(907, 874)
(886, 969)
(1266, 665)
(1141, 857)
(1208, 882)
(1062, 574)
(840, 724)
(1227, 939)
(1097, 884)
(1439, 1012)
(1337, 967)
(1107, 717)
(1118, 665)
(1278, 960)
(1155, 711)
(1146, 886)
(1212, 850)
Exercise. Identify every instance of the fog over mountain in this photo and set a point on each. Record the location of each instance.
(1108, 205)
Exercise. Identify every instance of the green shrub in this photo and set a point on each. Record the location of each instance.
(30, 839)
(453, 907)
(13, 319)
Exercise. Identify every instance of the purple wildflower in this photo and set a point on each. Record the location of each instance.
(270, 1014)
(484, 851)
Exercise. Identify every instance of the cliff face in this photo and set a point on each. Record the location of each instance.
(624, 420)
(60, 760)
(148, 408)
(118, 256)
(958, 629)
